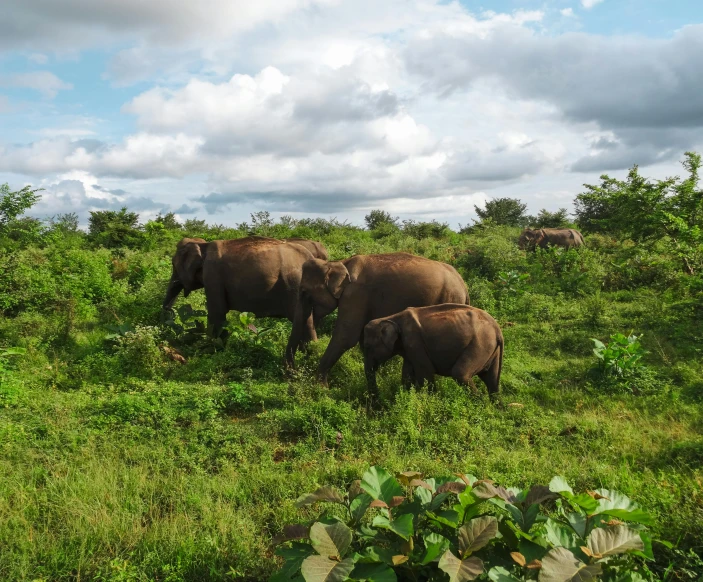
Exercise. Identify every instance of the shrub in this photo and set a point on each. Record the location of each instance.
(407, 527)
(490, 251)
(378, 218)
(503, 211)
(621, 356)
(138, 352)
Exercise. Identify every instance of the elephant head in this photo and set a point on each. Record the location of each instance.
(323, 283)
(381, 342)
(187, 271)
(530, 238)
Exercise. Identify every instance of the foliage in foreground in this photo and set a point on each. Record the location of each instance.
(415, 528)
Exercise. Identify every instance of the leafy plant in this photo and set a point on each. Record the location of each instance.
(407, 527)
(621, 356)
(242, 328)
(512, 283)
(186, 323)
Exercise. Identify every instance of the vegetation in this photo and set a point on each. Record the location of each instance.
(135, 450)
(422, 527)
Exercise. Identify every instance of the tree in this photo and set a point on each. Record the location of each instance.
(646, 211)
(113, 229)
(376, 218)
(14, 204)
(547, 219)
(504, 211)
(169, 221)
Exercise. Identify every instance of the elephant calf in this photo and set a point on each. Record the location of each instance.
(558, 237)
(452, 340)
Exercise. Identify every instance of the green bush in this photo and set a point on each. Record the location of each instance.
(412, 528)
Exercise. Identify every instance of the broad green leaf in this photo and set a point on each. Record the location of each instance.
(402, 525)
(380, 484)
(435, 546)
(531, 550)
(585, 502)
(423, 495)
(438, 500)
(460, 570)
(559, 485)
(294, 557)
(614, 500)
(614, 540)
(448, 517)
(561, 535)
(359, 505)
(636, 515)
(477, 533)
(322, 569)
(530, 516)
(373, 573)
(330, 540)
(467, 498)
(578, 523)
(498, 574)
(560, 565)
(321, 494)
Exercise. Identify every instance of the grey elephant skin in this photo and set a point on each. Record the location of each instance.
(255, 274)
(452, 340)
(558, 237)
(365, 287)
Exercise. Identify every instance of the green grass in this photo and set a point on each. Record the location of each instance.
(118, 467)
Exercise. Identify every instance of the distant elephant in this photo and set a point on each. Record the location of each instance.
(558, 237)
(256, 274)
(365, 287)
(452, 340)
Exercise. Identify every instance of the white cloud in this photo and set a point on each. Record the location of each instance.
(43, 81)
(588, 4)
(568, 12)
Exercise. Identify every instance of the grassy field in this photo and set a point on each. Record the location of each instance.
(117, 463)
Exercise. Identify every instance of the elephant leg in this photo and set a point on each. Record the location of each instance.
(344, 337)
(407, 374)
(216, 312)
(491, 374)
(468, 364)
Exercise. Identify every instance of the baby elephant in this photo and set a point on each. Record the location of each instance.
(451, 339)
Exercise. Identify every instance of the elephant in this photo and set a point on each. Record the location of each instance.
(256, 274)
(452, 340)
(317, 249)
(561, 237)
(365, 287)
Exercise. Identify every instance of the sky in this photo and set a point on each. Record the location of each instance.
(332, 108)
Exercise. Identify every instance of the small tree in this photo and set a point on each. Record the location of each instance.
(504, 211)
(377, 218)
(113, 229)
(168, 221)
(547, 219)
(14, 204)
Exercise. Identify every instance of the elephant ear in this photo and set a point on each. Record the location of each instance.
(189, 265)
(337, 279)
(389, 333)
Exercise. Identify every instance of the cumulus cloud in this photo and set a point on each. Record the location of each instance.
(588, 4)
(43, 81)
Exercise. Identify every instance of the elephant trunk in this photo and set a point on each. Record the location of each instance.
(370, 368)
(174, 288)
(303, 312)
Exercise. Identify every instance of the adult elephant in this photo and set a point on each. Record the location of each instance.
(559, 237)
(452, 340)
(256, 274)
(317, 249)
(365, 287)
